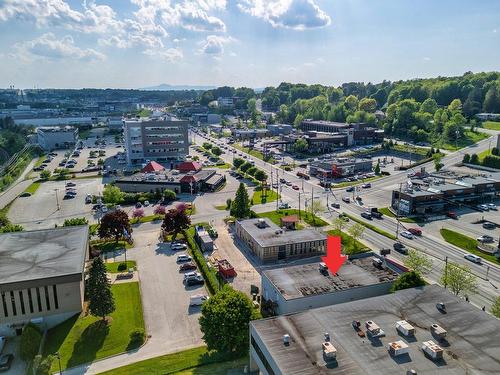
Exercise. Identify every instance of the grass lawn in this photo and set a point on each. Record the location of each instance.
(113, 267)
(40, 160)
(258, 198)
(222, 207)
(483, 154)
(359, 182)
(468, 139)
(372, 227)
(223, 166)
(193, 361)
(465, 242)
(33, 188)
(387, 212)
(492, 125)
(105, 246)
(146, 219)
(349, 245)
(85, 339)
(251, 151)
(310, 219)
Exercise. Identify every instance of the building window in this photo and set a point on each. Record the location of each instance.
(21, 297)
(4, 304)
(13, 303)
(56, 301)
(261, 356)
(47, 301)
(38, 299)
(30, 301)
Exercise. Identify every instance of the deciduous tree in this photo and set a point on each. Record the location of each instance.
(356, 231)
(114, 224)
(408, 280)
(495, 308)
(112, 195)
(418, 262)
(459, 279)
(176, 220)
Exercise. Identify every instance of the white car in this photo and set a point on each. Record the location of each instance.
(473, 258)
(178, 246)
(183, 258)
(198, 299)
(189, 275)
(407, 234)
(492, 206)
(483, 207)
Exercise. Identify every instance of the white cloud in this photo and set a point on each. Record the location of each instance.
(49, 47)
(171, 54)
(426, 58)
(214, 45)
(292, 14)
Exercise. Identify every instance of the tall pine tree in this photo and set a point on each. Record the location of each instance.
(101, 301)
(240, 207)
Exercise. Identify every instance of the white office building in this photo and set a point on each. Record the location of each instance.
(57, 137)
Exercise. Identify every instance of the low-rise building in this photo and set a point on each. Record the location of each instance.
(115, 124)
(339, 167)
(298, 288)
(56, 137)
(243, 134)
(293, 344)
(269, 242)
(279, 129)
(488, 116)
(41, 277)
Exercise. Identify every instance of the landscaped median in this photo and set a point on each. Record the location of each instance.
(259, 197)
(371, 226)
(387, 212)
(188, 362)
(466, 243)
(83, 339)
(117, 267)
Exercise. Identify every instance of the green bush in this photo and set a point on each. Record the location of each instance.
(122, 267)
(136, 338)
(407, 280)
(30, 342)
(495, 151)
(44, 366)
(75, 221)
(491, 161)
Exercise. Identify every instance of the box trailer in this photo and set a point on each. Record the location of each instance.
(432, 350)
(396, 348)
(405, 328)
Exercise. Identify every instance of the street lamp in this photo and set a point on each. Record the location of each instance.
(59, 360)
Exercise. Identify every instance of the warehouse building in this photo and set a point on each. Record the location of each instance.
(41, 277)
(295, 343)
(56, 137)
(417, 198)
(270, 242)
(339, 167)
(306, 286)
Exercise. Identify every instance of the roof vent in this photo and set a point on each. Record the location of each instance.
(286, 339)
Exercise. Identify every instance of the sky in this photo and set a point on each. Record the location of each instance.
(253, 43)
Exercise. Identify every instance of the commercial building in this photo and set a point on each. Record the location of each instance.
(249, 133)
(41, 277)
(159, 139)
(57, 137)
(357, 133)
(419, 198)
(293, 344)
(270, 242)
(279, 129)
(488, 116)
(339, 167)
(115, 124)
(205, 118)
(306, 286)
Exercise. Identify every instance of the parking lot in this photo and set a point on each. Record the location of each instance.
(18, 366)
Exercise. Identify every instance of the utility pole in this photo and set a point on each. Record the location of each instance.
(312, 202)
(398, 212)
(445, 271)
(299, 206)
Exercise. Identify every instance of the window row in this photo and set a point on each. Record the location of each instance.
(29, 301)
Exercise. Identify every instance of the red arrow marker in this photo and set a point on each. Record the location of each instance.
(334, 259)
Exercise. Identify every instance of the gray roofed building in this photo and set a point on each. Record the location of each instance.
(472, 343)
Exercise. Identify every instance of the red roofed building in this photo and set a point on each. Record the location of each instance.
(153, 167)
(289, 222)
(189, 166)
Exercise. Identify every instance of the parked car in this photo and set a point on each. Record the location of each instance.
(283, 206)
(359, 199)
(483, 207)
(70, 184)
(146, 203)
(415, 231)
(346, 199)
(178, 246)
(407, 234)
(187, 266)
(366, 215)
(492, 206)
(138, 205)
(183, 258)
(198, 299)
(452, 215)
(295, 187)
(88, 199)
(489, 225)
(288, 183)
(485, 238)
(195, 281)
(473, 258)
(6, 362)
(25, 194)
(400, 248)
(68, 196)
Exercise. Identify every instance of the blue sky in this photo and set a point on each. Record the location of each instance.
(254, 43)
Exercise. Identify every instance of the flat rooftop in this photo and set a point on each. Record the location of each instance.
(40, 254)
(473, 336)
(267, 236)
(306, 280)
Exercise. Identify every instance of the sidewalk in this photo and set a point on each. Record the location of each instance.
(17, 187)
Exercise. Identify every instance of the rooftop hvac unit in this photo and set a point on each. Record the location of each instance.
(372, 328)
(329, 351)
(438, 331)
(433, 350)
(397, 348)
(405, 328)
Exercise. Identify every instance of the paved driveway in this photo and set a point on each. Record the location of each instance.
(18, 365)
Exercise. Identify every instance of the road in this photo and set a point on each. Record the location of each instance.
(488, 274)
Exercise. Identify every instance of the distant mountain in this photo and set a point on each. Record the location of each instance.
(167, 87)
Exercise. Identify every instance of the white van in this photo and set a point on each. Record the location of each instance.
(198, 299)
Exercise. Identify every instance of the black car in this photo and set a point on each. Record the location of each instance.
(349, 189)
(195, 281)
(366, 215)
(68, 196)
(489, 225)
(400, 248)
(6, 362)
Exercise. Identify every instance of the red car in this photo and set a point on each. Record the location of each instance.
(452, 215)
(187, 266)
(295, 187)
(415, 231)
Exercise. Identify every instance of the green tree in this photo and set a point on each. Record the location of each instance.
(260, 175)
(466, 158)
(245, 167)
(429, 105)
(238, 162)
(474, 159)
(75, 221)
(455, 106)
(495, 151)
(459, 278)
(114, 224)
(45, 174)
(492, 100)
(437, 161)
(101, 300)
(216, 151)
(407, 280)
(251, 171)
(283, 114)
(30, 342)
(176, 220)
(339, 224)
(112, 194)
(356, 231)
(495, 308)
(224, 321)
(240, 207)
(228, 203)
(298, 120)
(377, 168)
(418, 262)
(207, 145)
(169, 195)
(367, 105)
(351, 103)
(300, 145)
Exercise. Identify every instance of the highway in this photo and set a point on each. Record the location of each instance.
(437, 249)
